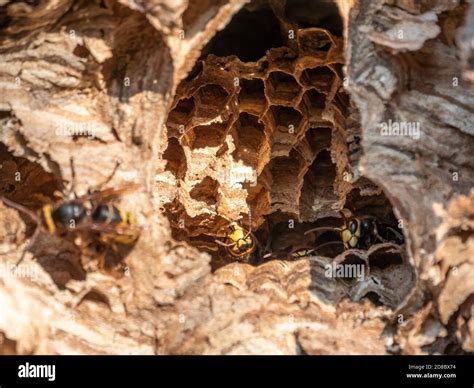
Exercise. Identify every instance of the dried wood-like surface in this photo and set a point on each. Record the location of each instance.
(95, 81)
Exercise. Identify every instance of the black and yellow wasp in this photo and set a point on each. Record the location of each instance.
(244, 246)
(111, 223)
(93, 214)
(359, 232)
(240, 243)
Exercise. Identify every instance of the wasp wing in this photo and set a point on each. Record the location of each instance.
(110, 194)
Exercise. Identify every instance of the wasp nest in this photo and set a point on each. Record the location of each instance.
(271, 142)
(251, 138)
(262, 135)
(248, 134)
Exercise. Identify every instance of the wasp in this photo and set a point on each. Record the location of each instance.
(359, 232)
(240, 242)
(56, 219)
(93, 212)
(111, 223)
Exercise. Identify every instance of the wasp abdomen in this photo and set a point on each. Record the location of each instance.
(107, 214)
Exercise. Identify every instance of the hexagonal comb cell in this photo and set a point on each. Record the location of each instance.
(287, 124)
(384, 258)
(315, 141)
(180, 115)
(250, 142)
(317, 194)
(175, 159)
(252, 96)
(315, 41)
(282, 88)
(212, 95)
(287, 175)
(320, 78)
(206, 191)
(285, 119)
(203, 136)
(389, 282)
(315, 103)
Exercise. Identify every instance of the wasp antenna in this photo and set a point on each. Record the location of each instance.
(345, 213)
(22, 209)
(249, 232)
(118, 162)
(22, 257)
(377, 234)
(323, 228)
(27, 248)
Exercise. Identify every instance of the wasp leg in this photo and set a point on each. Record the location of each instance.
(377, 234)
(249, 233)
(101, 261)
(30, 214)
(258, 254)
(111, 175)
(185, 134)
(224, 244)
(106, 249)
(28, 246)
(267, 252)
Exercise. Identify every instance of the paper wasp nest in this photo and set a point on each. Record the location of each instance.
(237, 111)
(272, 141)
(249, 133)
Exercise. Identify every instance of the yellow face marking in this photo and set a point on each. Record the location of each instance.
(350, 239)
(237, 233)
(48, 218)
(242, 245)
